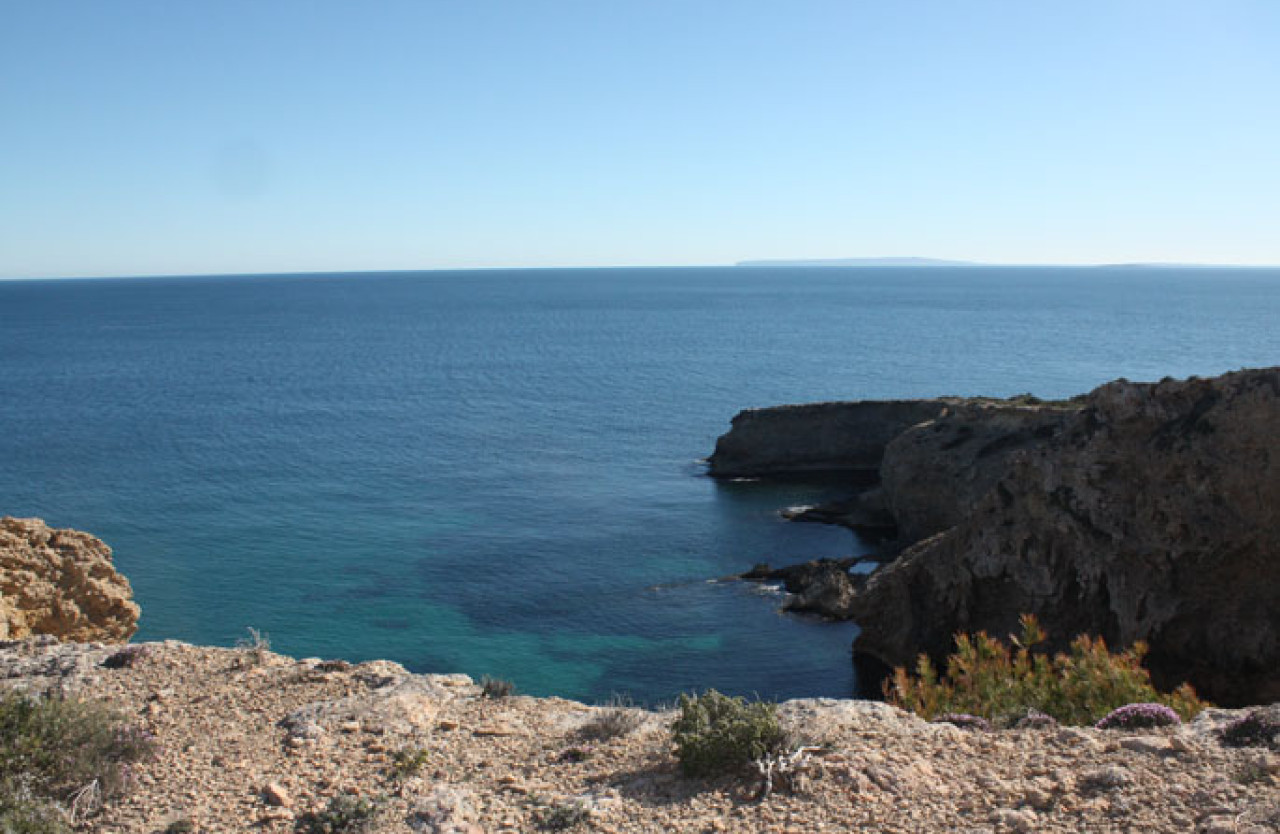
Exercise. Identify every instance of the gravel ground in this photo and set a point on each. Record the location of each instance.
(253, 741)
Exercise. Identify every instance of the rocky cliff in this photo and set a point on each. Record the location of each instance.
(1151, 512)
(934, 473)
(62, 583)
(819, 437)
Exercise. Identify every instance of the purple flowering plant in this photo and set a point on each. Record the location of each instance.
(1257, 728)
(1139, 717)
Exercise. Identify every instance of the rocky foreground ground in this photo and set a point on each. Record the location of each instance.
(253, 741)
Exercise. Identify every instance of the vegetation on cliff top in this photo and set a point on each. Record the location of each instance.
(1005, 683)
(60, 759)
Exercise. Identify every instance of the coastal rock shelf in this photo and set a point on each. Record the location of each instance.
(1137, 512)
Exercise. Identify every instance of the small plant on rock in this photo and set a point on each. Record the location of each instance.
(1257, 728)
(616, 718)
(496, 687)
(1139, 717)
(128, 657)
(720, 735)
(560, 816)
(1002, 682)
(254, 648)
(408, 762)
(345, 814)
(1035, 720)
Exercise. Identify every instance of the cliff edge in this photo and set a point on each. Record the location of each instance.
(61, 583)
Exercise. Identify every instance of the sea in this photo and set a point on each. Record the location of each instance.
(500, 472)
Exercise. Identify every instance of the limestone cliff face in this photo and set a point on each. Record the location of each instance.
(1151, 513)
(61, 582)
(934, 473)
(819, 437)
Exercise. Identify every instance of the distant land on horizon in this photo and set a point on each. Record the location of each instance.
(859, 262)
(928, 262)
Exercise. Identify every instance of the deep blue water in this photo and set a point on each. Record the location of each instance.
(495, 472)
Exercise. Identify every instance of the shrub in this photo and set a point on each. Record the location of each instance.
(64, 751)
(1257, 728)
(1138, 717)
(618, 717)
(987, 678)
(408, 762)
(22, 812)
(345, 814)
(496, 687)
(1035, 720)
(254, 648)
(561, 816)
(718, 734)
(127, 657)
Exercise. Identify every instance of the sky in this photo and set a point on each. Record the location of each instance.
(169, 137)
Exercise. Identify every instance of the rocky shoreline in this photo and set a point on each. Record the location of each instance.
(1138, 512)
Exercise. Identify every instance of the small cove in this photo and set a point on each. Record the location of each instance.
(496, 472)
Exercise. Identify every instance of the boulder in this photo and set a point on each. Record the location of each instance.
(61, 583)
(1150, 513)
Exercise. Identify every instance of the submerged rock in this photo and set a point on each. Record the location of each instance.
(61, 583)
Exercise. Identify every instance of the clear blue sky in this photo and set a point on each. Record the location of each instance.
(188, 137)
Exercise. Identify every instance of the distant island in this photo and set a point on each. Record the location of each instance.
(931, 262)
(860, 262)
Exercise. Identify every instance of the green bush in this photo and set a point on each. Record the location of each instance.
(58, 753)
(22, 812)
(1002, 683)
(560, 816)
(345, 814)
(407, 762)
(718, 734)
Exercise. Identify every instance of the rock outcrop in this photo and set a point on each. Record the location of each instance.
(1150, 513)
(61, 583)
(934, 473)
(819, 437)
(821, 586)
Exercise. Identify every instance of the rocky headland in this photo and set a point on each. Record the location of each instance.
(1137, 512)
(815, 438)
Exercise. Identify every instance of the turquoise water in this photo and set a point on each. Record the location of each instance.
(496, 472)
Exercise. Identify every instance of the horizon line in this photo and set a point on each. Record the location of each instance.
(795, 263)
